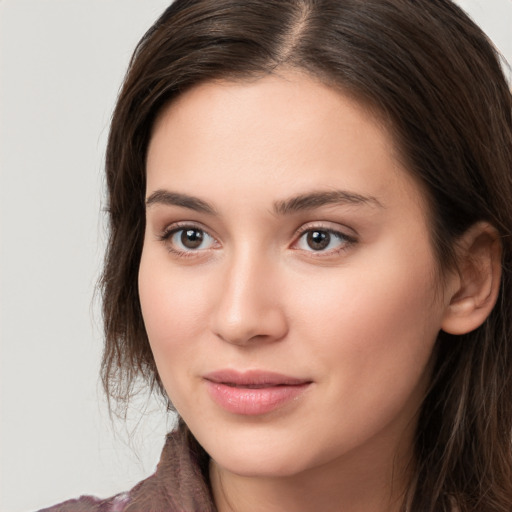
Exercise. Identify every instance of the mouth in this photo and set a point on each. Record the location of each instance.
(254, 392)
(253, 379)
(251, 386)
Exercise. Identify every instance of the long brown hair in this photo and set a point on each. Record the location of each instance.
(436, 80)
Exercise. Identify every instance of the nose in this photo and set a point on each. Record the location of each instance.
(249, 307)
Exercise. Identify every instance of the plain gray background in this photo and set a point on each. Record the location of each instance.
(61, 64)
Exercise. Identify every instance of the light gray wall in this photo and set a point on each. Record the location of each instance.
(61, 63)
(495, 18)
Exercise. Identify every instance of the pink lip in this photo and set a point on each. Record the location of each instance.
(253, 392)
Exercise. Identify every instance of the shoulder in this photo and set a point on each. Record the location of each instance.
(180, 483)
(117, 503)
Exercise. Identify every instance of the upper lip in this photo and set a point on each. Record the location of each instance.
(253, 378)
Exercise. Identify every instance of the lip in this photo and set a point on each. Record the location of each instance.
(253, 392)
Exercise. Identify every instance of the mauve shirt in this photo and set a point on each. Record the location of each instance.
(180, 484)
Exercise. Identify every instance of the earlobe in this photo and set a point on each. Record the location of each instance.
(477, 280)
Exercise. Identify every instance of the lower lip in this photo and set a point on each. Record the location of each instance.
(251, 402)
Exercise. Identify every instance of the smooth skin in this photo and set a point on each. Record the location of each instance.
(284, 235)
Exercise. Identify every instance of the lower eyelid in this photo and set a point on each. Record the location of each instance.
(166, 237)
(345, 240)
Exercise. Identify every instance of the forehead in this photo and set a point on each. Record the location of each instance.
(284, 102)
(288, 132)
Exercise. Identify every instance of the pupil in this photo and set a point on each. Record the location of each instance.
(318, 240)
(191, 238)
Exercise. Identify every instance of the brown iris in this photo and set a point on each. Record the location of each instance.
(318, 240)
(192, 238)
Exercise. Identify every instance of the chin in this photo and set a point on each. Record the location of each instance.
(258, 455)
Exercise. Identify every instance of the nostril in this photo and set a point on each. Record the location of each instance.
(269, 328)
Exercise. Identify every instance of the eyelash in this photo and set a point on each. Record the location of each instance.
(174, 229)
(346, 241)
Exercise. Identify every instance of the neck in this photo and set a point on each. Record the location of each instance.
(364, 485)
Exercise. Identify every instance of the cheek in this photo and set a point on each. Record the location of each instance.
(171, 307)
(366, 329)
(376, 321)
(370, 337)
(168, 308)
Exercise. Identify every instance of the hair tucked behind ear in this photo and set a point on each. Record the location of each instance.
(435, 79)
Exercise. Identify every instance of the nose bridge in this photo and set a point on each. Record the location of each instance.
(248, 303)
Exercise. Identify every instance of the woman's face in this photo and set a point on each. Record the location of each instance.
(287, 281)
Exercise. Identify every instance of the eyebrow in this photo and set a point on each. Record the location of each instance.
(176, 199)
(314, 200)
(302, 202)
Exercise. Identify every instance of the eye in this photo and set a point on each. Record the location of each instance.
(187, 239)
(323, 240)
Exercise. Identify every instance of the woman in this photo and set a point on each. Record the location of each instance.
(310, 256)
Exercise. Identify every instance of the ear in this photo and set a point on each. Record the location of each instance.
(476, 283)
